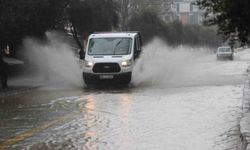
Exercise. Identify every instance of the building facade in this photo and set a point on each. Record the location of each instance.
(187, 12)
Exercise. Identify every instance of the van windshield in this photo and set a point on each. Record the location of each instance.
(110, 46)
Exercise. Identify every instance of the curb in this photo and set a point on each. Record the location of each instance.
(16, 90)
(244, 143)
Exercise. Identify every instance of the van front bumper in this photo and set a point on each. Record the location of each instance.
(99, 76)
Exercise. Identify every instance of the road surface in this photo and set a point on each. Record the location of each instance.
(196, 108)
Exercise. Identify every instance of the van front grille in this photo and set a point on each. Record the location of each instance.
(106, 68)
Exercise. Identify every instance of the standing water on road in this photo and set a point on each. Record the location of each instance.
(182, 98)
(181, 66)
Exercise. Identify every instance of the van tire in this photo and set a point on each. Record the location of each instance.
(218, 58)
(89, 80)
(126, 79)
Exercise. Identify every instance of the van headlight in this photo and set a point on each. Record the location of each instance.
(89, 64)
(126, 63)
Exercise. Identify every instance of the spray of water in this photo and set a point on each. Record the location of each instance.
(159, 63)
(163, 65)
(54, 59)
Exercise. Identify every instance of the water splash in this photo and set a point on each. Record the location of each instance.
(54, 59)
(160, 64)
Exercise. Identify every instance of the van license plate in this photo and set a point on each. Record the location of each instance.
(106, 76)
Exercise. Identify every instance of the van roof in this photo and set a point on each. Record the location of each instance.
(113, 34)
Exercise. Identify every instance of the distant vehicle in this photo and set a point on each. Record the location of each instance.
(111, 56)
(224, 52)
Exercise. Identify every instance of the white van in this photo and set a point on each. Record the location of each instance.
(111, 56)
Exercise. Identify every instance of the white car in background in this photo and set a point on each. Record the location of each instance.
(224, 52)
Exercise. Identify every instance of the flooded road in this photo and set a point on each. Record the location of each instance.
(181, 118)
(195, 113)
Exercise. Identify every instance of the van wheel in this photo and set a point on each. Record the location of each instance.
(126, 79)
(218, 58)
(88, 80)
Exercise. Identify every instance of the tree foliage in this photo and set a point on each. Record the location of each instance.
(21, 18)
(93, 15)
(174, 33)
(231, 16)
(147, 22)
(27, 18)
(89, 16)
(128, 8)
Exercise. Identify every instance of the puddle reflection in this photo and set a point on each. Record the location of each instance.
(125, 105)
(91, 133)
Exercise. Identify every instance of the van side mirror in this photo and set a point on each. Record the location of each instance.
(137, 54)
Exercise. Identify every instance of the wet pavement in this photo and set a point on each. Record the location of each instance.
(196, 114)
(121, 119)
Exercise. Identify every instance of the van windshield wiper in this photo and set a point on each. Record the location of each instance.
(117, 44)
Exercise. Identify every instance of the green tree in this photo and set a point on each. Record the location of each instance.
(22, 18)
(89, 16)
(231, 16)
(174, 33)
(127, 8)
(147, 22)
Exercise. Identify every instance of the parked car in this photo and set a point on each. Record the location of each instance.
(224, 52)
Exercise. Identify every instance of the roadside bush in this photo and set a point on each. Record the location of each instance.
(174, 33)
(148, 22)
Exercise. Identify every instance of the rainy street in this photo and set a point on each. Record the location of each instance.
(124, 75)
(199, 110)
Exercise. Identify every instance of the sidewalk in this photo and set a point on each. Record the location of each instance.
(18, 85)
(245, 120)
